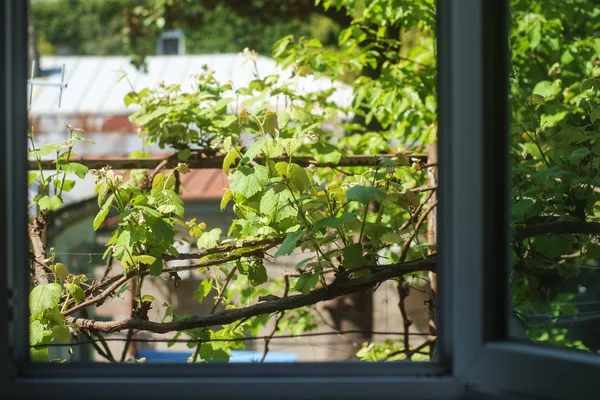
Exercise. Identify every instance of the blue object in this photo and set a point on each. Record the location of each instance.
(238, 356)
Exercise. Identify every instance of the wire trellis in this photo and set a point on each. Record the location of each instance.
(238, 339)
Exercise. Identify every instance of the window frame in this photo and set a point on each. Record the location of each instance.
(475, 353)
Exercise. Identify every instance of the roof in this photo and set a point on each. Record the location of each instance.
(93, 85)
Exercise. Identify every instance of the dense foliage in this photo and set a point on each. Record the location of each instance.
(359, 226)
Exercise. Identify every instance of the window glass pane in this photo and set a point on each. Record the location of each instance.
(555, 161)
(293, 216)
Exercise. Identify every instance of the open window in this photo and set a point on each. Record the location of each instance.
(476, 352)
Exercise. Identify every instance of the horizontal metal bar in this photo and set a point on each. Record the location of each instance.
(44, 83)
(215, 162)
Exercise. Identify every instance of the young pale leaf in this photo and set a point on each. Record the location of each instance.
(163, 182)
(75, 168)
(291, 145)
(75, 292)
(43, 298)
(31, 177)
(227, 197)
(60, 271)
(229, 159)
(104, 210)
(299, 180)
(209, 239)
(271, 124)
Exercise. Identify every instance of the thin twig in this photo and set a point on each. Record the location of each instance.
(403, 292)
(222, 291)
(279, 318)
(415, 232)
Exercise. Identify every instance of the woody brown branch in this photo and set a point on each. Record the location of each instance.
(36, 233)
(268, 307)
(212, 162)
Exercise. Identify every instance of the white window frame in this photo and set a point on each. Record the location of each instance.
(475, 357)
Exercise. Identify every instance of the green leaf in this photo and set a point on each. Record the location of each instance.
(353, 256)
(272, 148)
(227, 197)
(578, 155)
(209, 239)
(184, 155)
(254, 150)
(61, 333)
(336, 222)
(147, 298)
(257, 273)
(299, 180)
(229, 159)
(102, 189)
(222, 103)
(38, 335)
(67, 185)
(306, 282)
(50, 148)
(60, 271)
(163, 182)
(248, 181)
(44, 298)
(226, 121)
(291, 145)
(289, 243)
(75, 291)
(592, 250)
(326, 153)
(592, 83)
(75, 168)
(520, 208)
(50, 203)
(546, 89)
(364, 194)
(31, 177)
(103, 213)
(203, 290)
(146, 259)
(271, 124)
(275, 203)
(552, 246)
(168, 202)
(36, 332)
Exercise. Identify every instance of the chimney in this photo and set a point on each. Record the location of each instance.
(171, 43)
